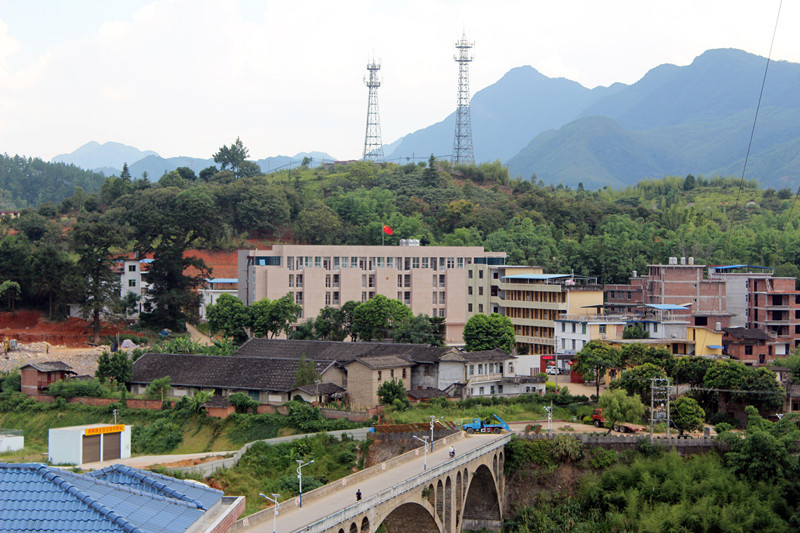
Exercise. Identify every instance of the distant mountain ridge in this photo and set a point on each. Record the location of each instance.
(108, 158)
(674, 121)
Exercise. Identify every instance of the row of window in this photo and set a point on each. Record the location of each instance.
(621, 295)
(574, 327)
(371, 263)
(489, 368)
(482, 390)
(391, 374)
(533, 314)
(536, 296)
(534, 331)
(574, 345)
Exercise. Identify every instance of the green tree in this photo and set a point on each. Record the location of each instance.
(93, 239)
(420, 329)
(117, 367)
(393, 392)
(687, 415)
(274, 317)
(11, 290)
(691, 370)
(636, 331)
(306, 373)
(594, 360)
(378, 317)
(638, 379)
(229, 316)
(232, 156)
(168, 222)
(331, 323)
(618, 406)
(54, 275)
(482, 332)
(159, 388)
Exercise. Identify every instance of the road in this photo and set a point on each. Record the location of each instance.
(292, 518)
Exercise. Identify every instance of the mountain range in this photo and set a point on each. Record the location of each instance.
(676, 120)
(109, 157)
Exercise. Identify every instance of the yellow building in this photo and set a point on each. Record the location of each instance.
(533, 301)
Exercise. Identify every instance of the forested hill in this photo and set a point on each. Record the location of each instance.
(28, 182)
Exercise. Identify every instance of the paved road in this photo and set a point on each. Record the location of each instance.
(292, 519)
(143, 461)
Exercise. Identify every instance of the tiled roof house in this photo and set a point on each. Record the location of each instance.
(37, 497)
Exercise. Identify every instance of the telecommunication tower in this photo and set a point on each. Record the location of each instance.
(462, 143)
(373, 148)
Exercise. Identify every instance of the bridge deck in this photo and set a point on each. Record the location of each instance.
(294, 519)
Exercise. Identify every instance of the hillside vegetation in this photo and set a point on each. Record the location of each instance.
(605, 234)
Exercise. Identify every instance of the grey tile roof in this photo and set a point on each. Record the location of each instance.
(747, 333)
(322, 388)
(383, 361)
(426, 393)
(213, 371)
(51, 366)
(487, 355)
(37, 497)
(342, 352)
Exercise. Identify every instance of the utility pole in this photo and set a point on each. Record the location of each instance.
(274, 500)
(300, 466)
(462, 141)
(373, 147)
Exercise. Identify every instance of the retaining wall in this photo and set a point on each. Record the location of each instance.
(206, 469)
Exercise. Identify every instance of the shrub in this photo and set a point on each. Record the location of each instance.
(159, 437)
(73, 387)
(11, 381)
(567, 449)
(602, 458)
(722, 427)
(242, 402)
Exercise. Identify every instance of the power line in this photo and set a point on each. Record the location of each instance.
(753, 130)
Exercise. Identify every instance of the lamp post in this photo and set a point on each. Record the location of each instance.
(274, 500)
(433, 421)
(424, 441)
(300, 466)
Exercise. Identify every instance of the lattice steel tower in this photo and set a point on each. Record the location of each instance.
(373, 148)
(462, 142)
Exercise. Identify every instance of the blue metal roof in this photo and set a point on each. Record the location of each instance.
(715, 346)
(731, 267)
(37, 497)
(537, 277)
(667, 307)
(222, 280)
(202, 496)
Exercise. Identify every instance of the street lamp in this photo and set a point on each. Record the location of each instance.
(424, 441)
(433, 421)
(274, 500)
(300, 466)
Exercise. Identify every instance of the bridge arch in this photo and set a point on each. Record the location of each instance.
(411, 517)
(482, 502)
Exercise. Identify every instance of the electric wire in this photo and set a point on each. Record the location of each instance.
(752, 133)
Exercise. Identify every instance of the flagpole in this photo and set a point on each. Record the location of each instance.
(383, 235)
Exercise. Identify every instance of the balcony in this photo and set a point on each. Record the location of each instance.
(484, 378)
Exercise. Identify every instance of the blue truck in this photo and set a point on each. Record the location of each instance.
(482, 426)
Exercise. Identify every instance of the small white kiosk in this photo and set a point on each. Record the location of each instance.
(78, 445)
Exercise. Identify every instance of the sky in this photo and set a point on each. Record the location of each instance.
(184, 77)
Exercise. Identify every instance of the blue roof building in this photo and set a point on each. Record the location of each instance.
(38, 497)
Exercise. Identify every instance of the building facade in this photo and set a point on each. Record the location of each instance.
(431, 280)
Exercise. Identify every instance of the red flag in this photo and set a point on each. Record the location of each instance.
(387, 230)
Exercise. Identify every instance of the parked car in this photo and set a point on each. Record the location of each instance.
(552, 370)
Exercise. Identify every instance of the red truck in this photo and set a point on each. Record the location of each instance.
(620, 427)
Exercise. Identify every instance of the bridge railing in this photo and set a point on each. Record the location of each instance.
(409, 484)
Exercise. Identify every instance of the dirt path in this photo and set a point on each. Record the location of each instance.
(197, 336)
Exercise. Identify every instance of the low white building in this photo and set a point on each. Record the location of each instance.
(77, 445)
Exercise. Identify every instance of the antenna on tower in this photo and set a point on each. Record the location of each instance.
(373, 148)
(462, 142)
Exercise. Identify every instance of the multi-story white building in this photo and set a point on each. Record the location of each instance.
(432, 280)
